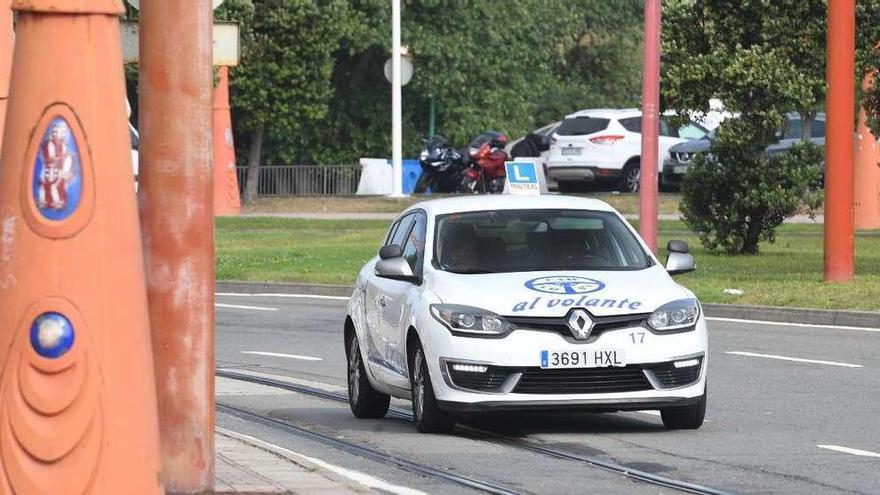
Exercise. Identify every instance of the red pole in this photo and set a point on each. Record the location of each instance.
(839, 196)
(650, 126)
(176, 204)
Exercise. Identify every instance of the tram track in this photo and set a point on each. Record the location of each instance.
(469, 432)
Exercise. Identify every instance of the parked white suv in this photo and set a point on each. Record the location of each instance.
(605, 145)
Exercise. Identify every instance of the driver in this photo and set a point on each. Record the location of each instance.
(461, 249)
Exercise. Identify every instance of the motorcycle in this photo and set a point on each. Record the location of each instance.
(443, 167)
(487, 157)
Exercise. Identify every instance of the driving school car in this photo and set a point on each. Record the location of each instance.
(523, 302)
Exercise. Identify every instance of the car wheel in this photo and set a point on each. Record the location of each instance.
(365, 401)
(428, 416)
(629, 181)
(685, 417)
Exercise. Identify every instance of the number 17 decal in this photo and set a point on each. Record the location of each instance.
(638, 337)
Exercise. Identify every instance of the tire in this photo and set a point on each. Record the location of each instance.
(685, 417)
(629, 180)
(364, 400)
(427, 415)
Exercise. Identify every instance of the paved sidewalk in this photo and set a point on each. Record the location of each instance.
(246, 465)
(819, 219)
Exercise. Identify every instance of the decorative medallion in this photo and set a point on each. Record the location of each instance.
(52, 335)
(57, 182)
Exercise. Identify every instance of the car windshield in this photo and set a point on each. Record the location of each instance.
(504, 241)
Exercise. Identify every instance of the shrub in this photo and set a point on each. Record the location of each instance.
(736, 196)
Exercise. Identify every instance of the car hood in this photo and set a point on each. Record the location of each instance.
(554, 293)
(691, 146)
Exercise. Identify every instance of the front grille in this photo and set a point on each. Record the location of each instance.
(671, 377)
(560, 324)
(489, 381)
(582, 381)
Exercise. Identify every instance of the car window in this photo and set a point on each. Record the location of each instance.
(666, 129)
(632, 124)
(414, 251)
(402, 231)
(391, 232)
(581, 126)
(818, 130)
(791, 129)
(692, 131)
(135, 142)
(535, 240)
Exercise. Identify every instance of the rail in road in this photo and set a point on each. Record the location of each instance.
(467, 431)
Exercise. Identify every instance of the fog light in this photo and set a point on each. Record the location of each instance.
(687, 363)
(470, 368)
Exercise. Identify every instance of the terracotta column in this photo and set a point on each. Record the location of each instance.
(77, 393)
(226, 197)
(176, 204)
(867, 173)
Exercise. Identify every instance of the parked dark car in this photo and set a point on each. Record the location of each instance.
(681, 155)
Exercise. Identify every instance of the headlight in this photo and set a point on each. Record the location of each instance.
(675, 315)
(469, 320)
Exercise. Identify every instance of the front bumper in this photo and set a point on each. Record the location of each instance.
(673, 172)
(514, 379)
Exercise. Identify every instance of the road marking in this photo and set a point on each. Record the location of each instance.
(292, 296)
(297, 458)
(847, 450)
(782, 324)
(798, 360)
(255, 308)
(278, 354)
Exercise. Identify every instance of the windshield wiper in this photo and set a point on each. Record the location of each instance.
(470, 272)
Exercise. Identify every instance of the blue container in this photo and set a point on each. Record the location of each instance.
(411, 172)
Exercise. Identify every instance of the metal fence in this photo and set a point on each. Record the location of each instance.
(304, 180)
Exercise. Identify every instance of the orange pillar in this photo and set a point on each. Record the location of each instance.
(6, 40)
(648, 200)
(77, 390)
(176, 204)
(226, 199)
(839, 226)
(867, 173)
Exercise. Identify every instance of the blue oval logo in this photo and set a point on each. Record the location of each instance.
(58, 181)
(564, 284)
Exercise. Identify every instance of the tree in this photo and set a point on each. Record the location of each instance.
(284, 76)
(751, 56)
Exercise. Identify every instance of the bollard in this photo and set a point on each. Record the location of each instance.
(77, 394)
(226, 197)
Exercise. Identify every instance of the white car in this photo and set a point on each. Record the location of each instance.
(606, 145)
(523, 302)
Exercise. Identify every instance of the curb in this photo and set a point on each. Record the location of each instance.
(860, 319)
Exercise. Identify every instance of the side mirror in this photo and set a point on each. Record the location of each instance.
(392, 265)
(396, 269)
(391, 251)
(680, 260)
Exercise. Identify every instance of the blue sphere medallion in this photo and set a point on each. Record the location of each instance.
(52, 335)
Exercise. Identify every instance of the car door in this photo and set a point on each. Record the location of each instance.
(383, 351)
(399, 298)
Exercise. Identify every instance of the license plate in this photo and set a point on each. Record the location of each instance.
(595, 358)
(571, 151)
(680, 169)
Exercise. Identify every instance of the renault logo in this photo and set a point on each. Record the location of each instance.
(580, 323)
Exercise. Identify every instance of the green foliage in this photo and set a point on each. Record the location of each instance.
(316, 81)
(761, 58)
(734, 197)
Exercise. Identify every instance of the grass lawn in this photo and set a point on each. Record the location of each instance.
(787, 273)
(625, 203)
